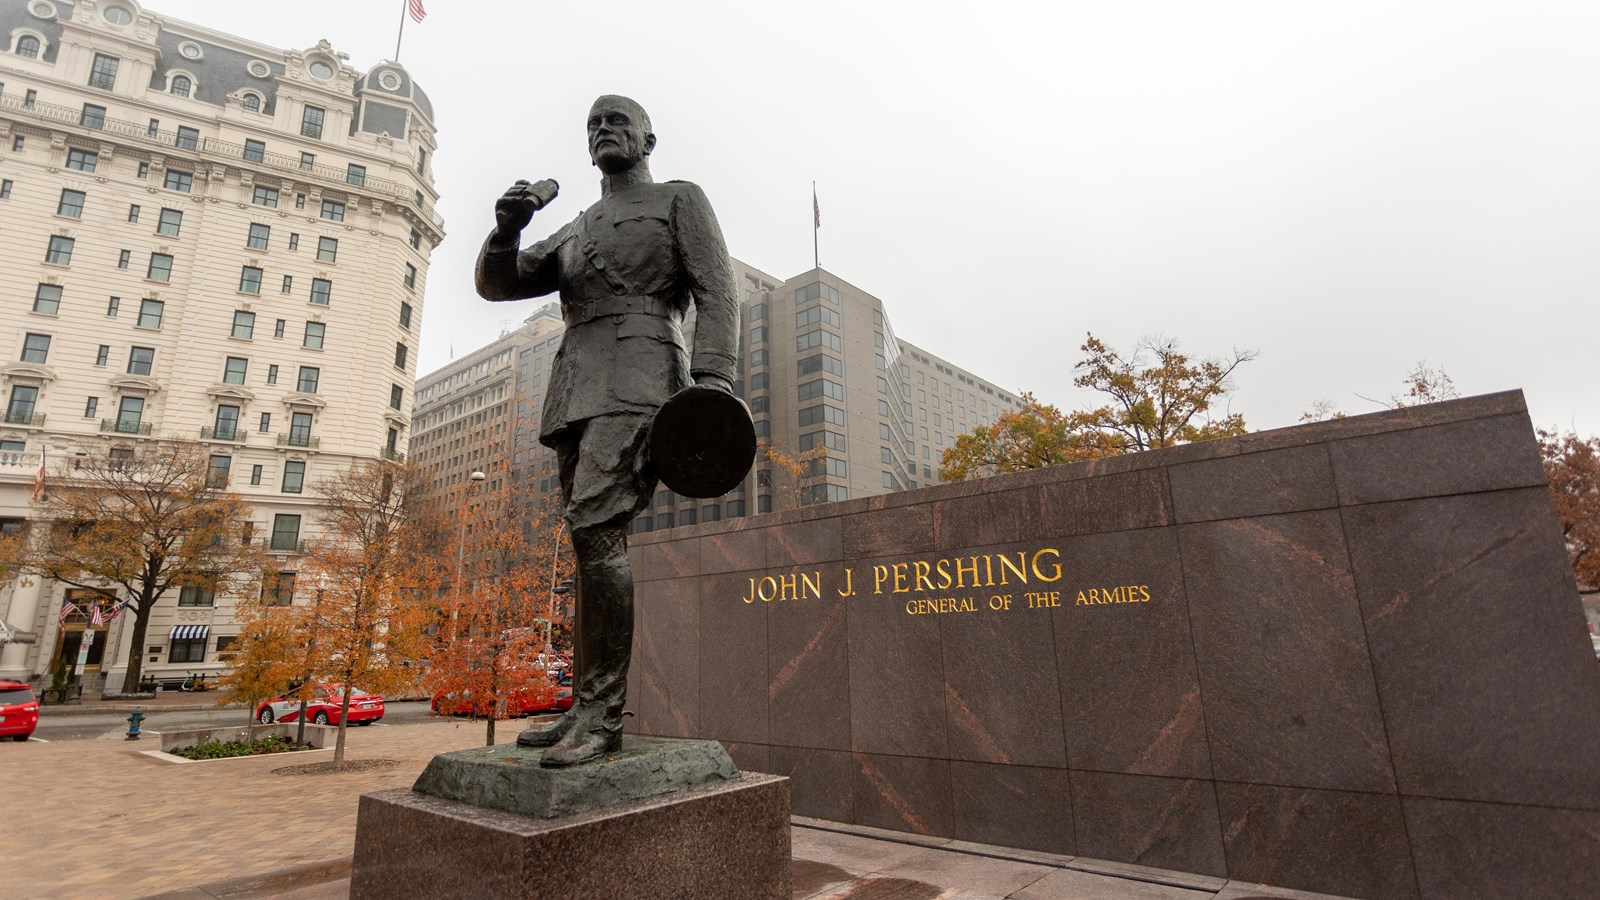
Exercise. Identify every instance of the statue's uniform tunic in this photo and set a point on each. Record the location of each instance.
(627, 271)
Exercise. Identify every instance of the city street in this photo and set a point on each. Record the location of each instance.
(77, 726)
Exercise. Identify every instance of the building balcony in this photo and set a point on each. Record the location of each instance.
(234, 434)
(141, 133)
(293, 439)
(22, 417)
(19, 462)
(124, 426)
(392, 455)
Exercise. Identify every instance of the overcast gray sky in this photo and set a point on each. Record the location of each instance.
(1349, 188)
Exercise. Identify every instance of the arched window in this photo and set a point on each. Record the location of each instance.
(252, 103)
(181, 85)
(28, 46)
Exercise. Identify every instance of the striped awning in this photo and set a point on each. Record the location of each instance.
(190, 632)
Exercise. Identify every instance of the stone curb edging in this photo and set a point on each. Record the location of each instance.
(267, 884)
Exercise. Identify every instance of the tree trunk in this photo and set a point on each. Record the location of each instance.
(488, 729)
(141, 624)
(344, 723)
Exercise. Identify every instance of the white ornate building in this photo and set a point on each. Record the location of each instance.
(204, 238)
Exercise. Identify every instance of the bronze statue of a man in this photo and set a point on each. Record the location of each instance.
(627, 270)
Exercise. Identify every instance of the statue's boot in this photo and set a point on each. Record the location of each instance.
(595, 734)
(605, 639)
(547, 734)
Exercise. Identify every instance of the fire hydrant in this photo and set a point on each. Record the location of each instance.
(133, 723)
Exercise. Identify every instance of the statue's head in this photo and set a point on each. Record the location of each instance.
(619, 134)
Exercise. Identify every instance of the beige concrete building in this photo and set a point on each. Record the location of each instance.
(209, 239)
(820, 366)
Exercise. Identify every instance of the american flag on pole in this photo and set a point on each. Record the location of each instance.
(96, 617)
(67, 609)
(115, 610)
(816, 208)
(417, 12)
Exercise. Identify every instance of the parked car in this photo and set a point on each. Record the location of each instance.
(322, 708)
(19, 710)
(553, 694)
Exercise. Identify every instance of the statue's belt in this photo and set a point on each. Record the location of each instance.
(577, 312)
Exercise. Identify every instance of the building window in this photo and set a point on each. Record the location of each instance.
(141, 360)
(103, 72)
(758, 312)
(321, 291)
(35, 348)
(179, 181)
(410, 278)
(5, 190)
(399, 356)
(189, 649)
(151, 130)
(250, 280)
(226, 425)
(327, 249)
(758, 334)
(397, 396)
(20, 410)
(170, 223)
(181, 85)
(735, 509)
(760, 381)
(255, 474)
(82, 160)
(422, 159)
(307, 383)
(278, 327)
(272, 373)
(260, 235)
(285, 531)
(333, 210)
(265, 425)
(102, 355)
(311, 121)
(315, 331)
(278, 589)
(111, 306)
(244, 325)
(416, 239)
(150, 313)
(252, 103)
(198, 596)
(288, 285)
(47, 299)
(233, 371)
(294, 241)
(356, 175)
(17, 144)
(91, 407)
(28, 46)
(160, 267)
(300, 429)
(217, 474)
(294, 477)
(92, 116)
(265, 196)
(308, 161)
(59, 251)
(405, 315)
(300, 199)
(188, 138)
(255, 151)
(124, 257)
(130, 415)
(133, 214)
(70, 204)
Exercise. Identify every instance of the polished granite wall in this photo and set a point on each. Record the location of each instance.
(1362, 669)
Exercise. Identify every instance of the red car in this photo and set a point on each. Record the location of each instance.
(322, 708)
(557, 695)
(19, 710)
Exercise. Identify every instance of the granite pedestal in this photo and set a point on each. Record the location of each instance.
(658, 819)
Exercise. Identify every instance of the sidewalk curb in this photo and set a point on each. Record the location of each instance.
(120, 706)
(269, 884)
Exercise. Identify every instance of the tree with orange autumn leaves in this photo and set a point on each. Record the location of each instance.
(492, 653)
(1572, 465)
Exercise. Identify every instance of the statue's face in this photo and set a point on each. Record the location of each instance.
(619, 135)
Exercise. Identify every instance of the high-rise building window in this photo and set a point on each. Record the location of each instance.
(35, 348)
(321, 291)
(315, 331)
(124, 258)
(327, 249)
(252, 103)
(28, 46)
(226, 427)
(405, 315)
(265, 196)
(259, 237)
(294, 476)
(250, 280)
(311, 121)
(333, 210)
(133, 214)
(91, 407)
(70, 204)
(400, 356)
(309, 377)
(141, 360)
(181, 85)
(244, 325)
(20, 410)
(160, 268)
(188, 138)
(234, 369)
(397, 396)
(217, 477)
(170, 223)
(150, 312)
(255, 151)
(410, 277)
(102, 355)
(130, 415)
(356, 175)
(82, 160)
(59, 251)
(92, 116)
(103, 72)
(179, 181)
(285, 532)
(300, 429)
(47, 299)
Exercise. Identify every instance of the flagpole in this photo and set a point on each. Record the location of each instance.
(816, 225)
(404, 6)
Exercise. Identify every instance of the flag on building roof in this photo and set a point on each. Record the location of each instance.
(417, 12)
(67, 609)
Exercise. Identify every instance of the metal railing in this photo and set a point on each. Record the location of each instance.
(213, 147)
(298, 440)
(18, 417)
(120, 426)
(235, 434)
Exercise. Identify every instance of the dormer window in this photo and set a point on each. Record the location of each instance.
(28, 46)
(181, 85)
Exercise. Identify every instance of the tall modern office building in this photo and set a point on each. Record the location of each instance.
(206, 239)
(826, 378)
